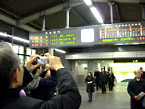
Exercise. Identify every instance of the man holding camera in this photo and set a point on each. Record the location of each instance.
(13, 76)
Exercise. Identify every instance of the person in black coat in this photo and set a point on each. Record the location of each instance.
(96, 76)
(90, 85)
(110, 80)
(142, 73)
(103, 79)
(11, 79)
(135, 87)
(50, 75)
(40, 87)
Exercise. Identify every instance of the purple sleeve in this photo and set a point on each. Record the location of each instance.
(22, 94)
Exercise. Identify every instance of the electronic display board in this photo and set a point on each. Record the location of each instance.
(117, 33)
(122, 33)
(63, 37)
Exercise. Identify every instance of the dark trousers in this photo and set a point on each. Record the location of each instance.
(103, 88)
(136, 104)
(90, 95)
(110, 86)
(97, 85)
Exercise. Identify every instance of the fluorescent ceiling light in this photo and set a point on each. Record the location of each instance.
(4, 34)
(58, 50)
(21, 39)
(88, 2)
(96, 14)
(14, 37)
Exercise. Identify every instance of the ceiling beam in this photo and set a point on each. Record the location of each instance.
(118, 12)
(49, 11)
(111, 4)
(18, 17)
(7, 19)
(35, 25)
(80, 17)
(14, 23)
(120, 1)
(143, 11)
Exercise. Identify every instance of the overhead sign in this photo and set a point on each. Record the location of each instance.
(119, 33)
(122, 33)
(63, 37)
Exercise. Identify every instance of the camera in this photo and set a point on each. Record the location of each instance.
(42, 60)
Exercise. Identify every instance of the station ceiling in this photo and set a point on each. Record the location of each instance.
(28, 14)
(31, 12)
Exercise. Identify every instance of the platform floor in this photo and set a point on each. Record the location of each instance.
(117, 99)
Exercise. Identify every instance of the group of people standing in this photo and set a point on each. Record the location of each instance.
(100, 80)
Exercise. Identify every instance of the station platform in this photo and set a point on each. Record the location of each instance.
(116, 99)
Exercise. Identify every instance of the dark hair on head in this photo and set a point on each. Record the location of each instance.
(141, 68)
(9, 62)
(102, 68)
(35, 71)
(90, 73)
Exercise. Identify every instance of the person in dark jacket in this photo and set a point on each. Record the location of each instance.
(40, 87)
(53, 91)
(135, 87)
(110, 80)
(103, 79)
(90, 87)
(11, 79)
(96, 76)
(142, 73)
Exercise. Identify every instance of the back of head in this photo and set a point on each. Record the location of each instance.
(9, 62)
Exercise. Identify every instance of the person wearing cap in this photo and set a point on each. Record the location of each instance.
(13, 75)
(135, 87)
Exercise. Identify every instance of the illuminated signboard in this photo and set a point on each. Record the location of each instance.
(63, 37)
(119, 33)
(122, 33)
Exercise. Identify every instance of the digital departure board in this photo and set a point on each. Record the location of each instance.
(119, 33)
(63, 37)
(122, 33)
